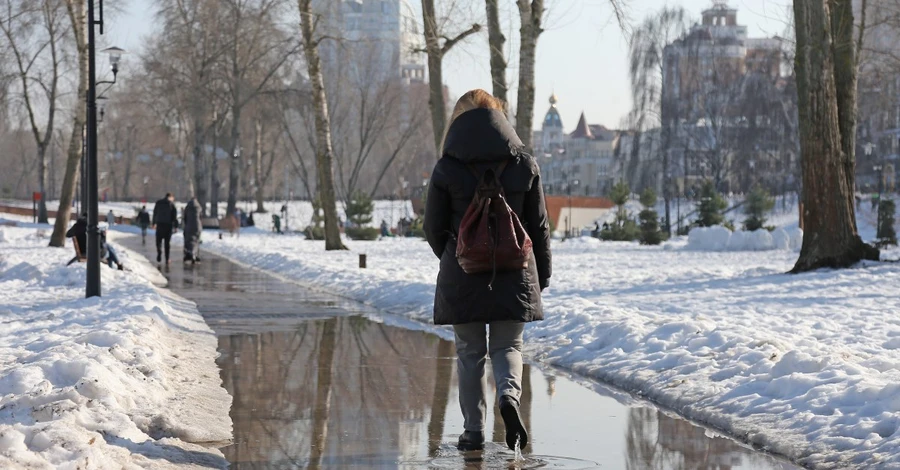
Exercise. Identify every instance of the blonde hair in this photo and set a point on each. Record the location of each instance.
(473, 99)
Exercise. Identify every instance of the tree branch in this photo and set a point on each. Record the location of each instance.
(450, 42)
(862, 31)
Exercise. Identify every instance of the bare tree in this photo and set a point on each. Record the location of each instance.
(496, 40)
(652, 105)
(257, 51)
(181, 63)
(77, 13)
(531, 14)
(437, 44)
(826, 87)
(377, 118)
(302, 151)
(35, 33)
(324, 156)
(268, 135)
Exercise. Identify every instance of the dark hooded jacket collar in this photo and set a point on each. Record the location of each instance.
(482, 135)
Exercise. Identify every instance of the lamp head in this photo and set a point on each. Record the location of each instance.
(115, 55)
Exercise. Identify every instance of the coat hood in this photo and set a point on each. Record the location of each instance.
(482, 135)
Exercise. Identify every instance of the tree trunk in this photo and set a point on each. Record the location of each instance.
(78, 17)
(531, 15)
(324, 166)
(130, 145)
(234, 168)
(42, 185)
(214, 176)
(257, 169)
(435, 75)
(201, 177)
(845, 75)
(325, 362)
(830, 238)
(495, 43)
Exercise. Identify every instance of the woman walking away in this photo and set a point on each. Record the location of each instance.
(494, 247)
(192, 226)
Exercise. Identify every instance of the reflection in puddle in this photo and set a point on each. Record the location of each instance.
(315, 388)
(346, 392)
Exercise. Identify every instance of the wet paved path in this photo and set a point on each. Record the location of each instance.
(317, 385)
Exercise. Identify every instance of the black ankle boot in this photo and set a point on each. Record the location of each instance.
(471, 440)
(509, 410)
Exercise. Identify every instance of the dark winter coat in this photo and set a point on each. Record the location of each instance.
(192, 226)
(484, 138)
(79, 233)
(144, 219)
(191, 222)
(164, 213)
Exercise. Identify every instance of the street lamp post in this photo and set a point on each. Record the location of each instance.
(92, 284)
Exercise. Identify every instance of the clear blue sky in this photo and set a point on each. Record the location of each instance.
(582, 55)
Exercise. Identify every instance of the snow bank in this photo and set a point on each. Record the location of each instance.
(806, 366)
(719, 238)
(123, 381)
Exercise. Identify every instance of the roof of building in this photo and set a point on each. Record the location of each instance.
(582, 130)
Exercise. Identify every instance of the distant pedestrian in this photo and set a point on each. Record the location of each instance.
(250, 221)
(385, 230)
(192, 228)
(276, 224)
(480, 139)
(165, 221)
(110, 218)
(144, 222)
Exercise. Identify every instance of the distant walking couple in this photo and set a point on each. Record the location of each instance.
(165, 221)
(487, 222)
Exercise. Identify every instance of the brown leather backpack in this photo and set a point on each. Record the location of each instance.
(491, 237)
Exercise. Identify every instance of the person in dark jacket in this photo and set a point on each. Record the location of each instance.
(192, 228)
(78, 232)
(143, 219)
(165, 221)
(480, 136)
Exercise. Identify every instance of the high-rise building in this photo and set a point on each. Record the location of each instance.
(374, 38)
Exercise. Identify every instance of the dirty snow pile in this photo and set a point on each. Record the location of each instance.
(807, 366)
(124, 381)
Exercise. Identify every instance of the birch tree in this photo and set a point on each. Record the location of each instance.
(77, 13)
(34, 32)
(324, 155)
(496, 41)
(646, 47)
(437, 44)
(531, 14)
(826, 90)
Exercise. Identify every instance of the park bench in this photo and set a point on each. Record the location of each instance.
(79, 255)
(209, 222)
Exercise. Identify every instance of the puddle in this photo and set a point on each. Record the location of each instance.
(317, 386)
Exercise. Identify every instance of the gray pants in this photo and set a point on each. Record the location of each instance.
(506, 359)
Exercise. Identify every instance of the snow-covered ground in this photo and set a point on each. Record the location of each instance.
(807, 366)
(128, 380)
(299, 212)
